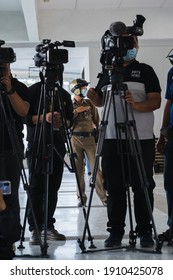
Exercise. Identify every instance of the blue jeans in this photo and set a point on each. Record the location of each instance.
(168, 178)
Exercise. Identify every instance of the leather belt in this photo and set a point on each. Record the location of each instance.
(83, 134)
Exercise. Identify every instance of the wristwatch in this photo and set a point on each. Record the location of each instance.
(12, 90)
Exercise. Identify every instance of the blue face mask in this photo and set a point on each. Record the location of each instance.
(130, 55)
(83, 92)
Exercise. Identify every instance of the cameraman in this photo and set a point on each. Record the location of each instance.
(165, 147)
(13, 106)
(37, 188)
(142, 97)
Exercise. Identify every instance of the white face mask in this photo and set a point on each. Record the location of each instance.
(83, 92)
(130, 55)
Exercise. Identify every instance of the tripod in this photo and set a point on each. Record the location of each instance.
(44, 143)
(16, 147)
(126, 127)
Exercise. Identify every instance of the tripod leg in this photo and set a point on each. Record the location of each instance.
(102, 131)
(132, 233)
(137, 153)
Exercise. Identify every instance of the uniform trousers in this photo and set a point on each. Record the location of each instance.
(80, 145)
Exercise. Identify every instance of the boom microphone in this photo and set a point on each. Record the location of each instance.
(117, 28)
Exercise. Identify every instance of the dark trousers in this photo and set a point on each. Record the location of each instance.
(10, 170)
(38, 185)
(168, 178)
(11, 229)
(119, 172)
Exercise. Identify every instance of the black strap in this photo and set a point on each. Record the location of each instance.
(83, 134)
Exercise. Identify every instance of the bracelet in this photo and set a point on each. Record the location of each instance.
(12, 90)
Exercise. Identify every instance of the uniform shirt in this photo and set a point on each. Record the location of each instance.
(83, 122)
(169, 93)
(15, 120)
(140, 79)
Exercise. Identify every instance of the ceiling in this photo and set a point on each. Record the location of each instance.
(24, 24)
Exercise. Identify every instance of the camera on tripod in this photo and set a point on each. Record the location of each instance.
(49, 56)
(7, 55)
(48, 53)
(117, 40)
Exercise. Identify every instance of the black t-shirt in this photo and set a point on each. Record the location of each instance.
(40, 100)
(15, 122)
(134, 72)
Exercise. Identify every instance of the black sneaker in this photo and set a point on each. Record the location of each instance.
(113, 241)
(146, 240)
(53, 234)
(166, 236)
(34, 239)
(105, 203)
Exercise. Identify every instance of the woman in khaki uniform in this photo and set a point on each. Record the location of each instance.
(86, 118)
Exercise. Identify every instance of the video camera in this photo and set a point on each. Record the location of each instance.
(48, 53)
(117, 40)
(7, 55)
(51, 58)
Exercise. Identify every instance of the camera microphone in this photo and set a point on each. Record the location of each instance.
(117, 28)
(39, 48)
(42, 48)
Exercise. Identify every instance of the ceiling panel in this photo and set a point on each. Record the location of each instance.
(97, 4)
(168, 3)
(10, 5)
(57, 4)
(79, 20)
(141, 3)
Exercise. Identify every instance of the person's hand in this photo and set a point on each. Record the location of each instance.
(129, 98)
(2, 202)
(57, 122)
(81, 109)
(6, 79)
(160, 145)
(91, 94)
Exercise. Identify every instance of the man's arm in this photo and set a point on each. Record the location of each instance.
(95, 97)
(19, 105)
(166, 114)
(152, 102)
(165, 122)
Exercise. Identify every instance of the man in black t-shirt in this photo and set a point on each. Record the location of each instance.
(133, 99)
(14, 105)
(35, 122)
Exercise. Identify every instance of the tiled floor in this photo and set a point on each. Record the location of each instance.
(70, 221)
